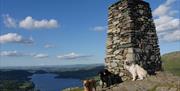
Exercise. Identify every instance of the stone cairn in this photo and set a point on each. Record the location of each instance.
(131, 35)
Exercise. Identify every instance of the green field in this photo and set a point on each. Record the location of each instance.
(171, 62)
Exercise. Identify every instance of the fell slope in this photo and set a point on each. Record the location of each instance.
(171, 62)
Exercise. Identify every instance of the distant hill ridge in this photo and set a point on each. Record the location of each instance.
(171, 62)
(175, 54)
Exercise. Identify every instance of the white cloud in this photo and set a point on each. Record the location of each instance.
(41, 55)
(173, 12)
(167, 25)
(172, 24)
(48, 46)
(10, 53)
(171, 36)
(163, 9)
(100, 28)
(72, 56)
(21, 54)
(30, 23)
(162, 20)
(14, 54)
(14, 38)
(9, 21)
(169, 2)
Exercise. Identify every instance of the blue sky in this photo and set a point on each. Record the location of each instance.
(66, 32)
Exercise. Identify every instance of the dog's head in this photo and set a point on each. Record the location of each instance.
(127, 63)
(86, 83)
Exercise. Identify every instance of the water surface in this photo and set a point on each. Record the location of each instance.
(48, 82)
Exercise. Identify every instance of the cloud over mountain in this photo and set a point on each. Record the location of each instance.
(22, 54)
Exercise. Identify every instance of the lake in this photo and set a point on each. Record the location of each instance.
(48, 82)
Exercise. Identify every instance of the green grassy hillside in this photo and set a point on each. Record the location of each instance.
(171, 62)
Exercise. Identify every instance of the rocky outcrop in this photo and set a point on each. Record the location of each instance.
(161, 82)
(131, 35)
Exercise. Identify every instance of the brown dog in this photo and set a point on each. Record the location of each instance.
(89, 85)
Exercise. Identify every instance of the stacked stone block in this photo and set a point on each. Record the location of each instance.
(131, 35)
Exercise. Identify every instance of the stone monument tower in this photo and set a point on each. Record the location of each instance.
(131, 35)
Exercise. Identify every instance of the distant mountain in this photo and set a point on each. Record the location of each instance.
(81, 73)
(70, 71)
(171, 62)
(52, 68)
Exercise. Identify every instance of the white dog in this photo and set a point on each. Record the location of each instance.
(135, 70)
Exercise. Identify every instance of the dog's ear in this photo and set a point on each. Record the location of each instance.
(128, 63)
